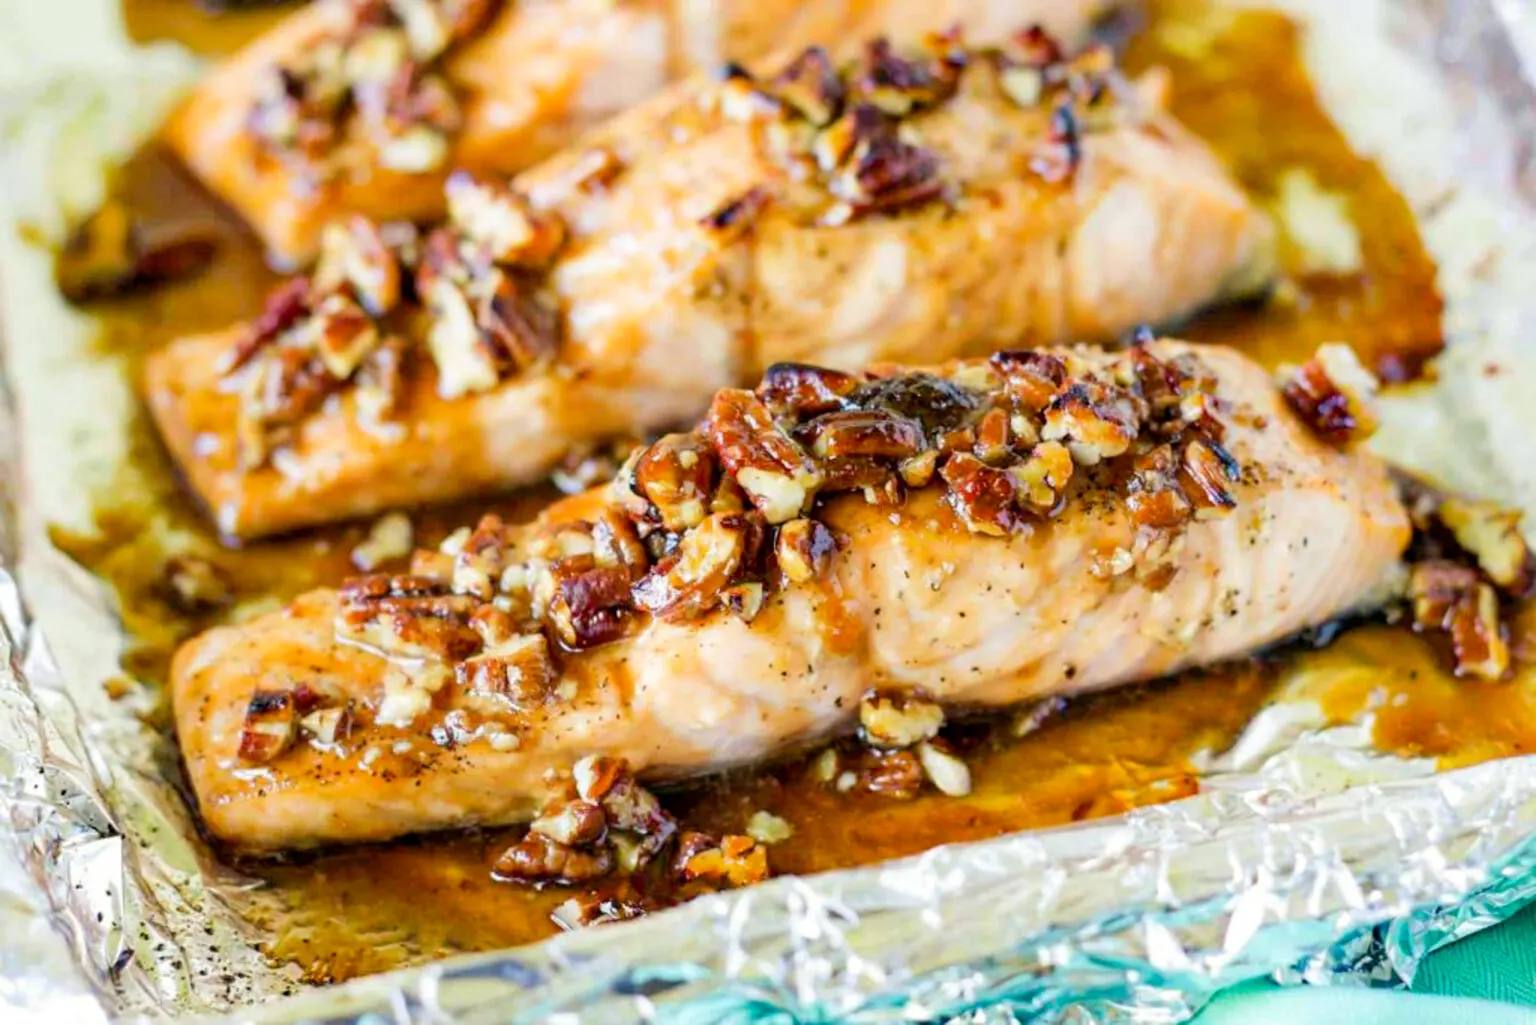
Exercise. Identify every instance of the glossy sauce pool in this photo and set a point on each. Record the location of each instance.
(1238, 82)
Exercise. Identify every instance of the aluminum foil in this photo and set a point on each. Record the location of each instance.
(1307, 857)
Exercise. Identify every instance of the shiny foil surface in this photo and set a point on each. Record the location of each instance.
(1307, 856)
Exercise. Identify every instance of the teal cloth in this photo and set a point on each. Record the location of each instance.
(1486, 979)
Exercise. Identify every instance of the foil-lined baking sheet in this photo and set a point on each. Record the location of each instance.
(1306, 856)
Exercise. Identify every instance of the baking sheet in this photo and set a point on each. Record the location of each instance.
(1306, 855)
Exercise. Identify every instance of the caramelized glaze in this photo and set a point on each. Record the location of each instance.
(1239, 82)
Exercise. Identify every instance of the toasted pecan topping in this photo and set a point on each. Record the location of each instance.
(731, 861)
(109, 253)
(714, 521)
(373, 82)
(1332, 394)
(1455, 600)
(270, 726)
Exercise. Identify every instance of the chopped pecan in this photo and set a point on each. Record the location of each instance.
(519, 669)
(1032, 379)
(872, 433)
(918, 471)
(892, 719)
(767, 828)
(942, 406)
(811, 86)
(573, 823)
(109, 254)
(194, 586)
(342, 333)
(465, 362)
(1491, 534)
(591, 604)
(744, 600)
(802, 390)
(735, 861)
(1043, 476)
(538, 859)
(898, 86)
(480, 557)
(1096, 421)
(776, 474)
(1456, 600)
(983, 497)
(270, 726)
(615, 543)
(326, 726)
(1332, 394)
(885, 173)
(630, 808)
(734, 218)
(517, 324)
(284, 307)
(897, 774)
(353, 254)
(1206, 472)
(1156, 499)
(391, 537)
(501, 223)
(407, 615)
(948, 773)
(688, 582)
(592, 909)
(804, 549)
(676, 475)
(993, 437)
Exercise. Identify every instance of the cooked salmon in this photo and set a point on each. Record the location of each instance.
(1046, 523)
(997, 217)
(522, 81)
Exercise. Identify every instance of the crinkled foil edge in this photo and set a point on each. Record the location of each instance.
(1272, 871)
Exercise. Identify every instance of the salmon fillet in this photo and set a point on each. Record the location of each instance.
(709, 255)
(1046, 523)
(522, 82)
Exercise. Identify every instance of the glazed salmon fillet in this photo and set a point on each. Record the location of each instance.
(363, 106)
(827, 552)
(995, 199)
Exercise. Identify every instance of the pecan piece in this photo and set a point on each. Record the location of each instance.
(898, 86)
(896, 774)
(811, 86)
(270, 726)
(1455, 600)
(868, 433)
(1031, 379)
(1492, 535)
(802, 390)
(573, 823)
(465, 363)
(1043, 476)
(948, 773)
(109, 254)
(1332, 394)
(688, 582)
(1156, 499)
(885, 174)
(615, 543)
(744, 600)
(804, 549)
(519, 669)
(537, 859)
(982, 496)
(734, 218)
(353, 254)
(896, 719)
(326, 726)
(501, 223)
(194, 586)
(776, 474)
(591, 604)
(1096, 421)
(676, 475)
(1206, 471)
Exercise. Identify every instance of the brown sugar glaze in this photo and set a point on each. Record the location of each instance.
(1241, 85)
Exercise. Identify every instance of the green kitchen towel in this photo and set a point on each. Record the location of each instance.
(1486, 979)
